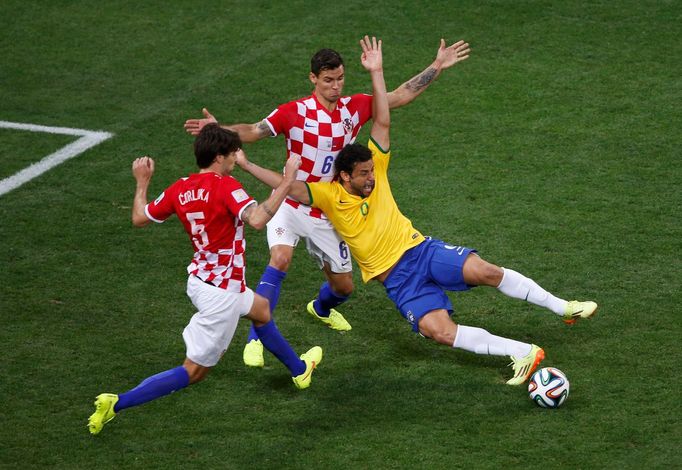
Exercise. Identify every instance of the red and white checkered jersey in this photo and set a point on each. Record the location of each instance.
(318, 135)
(210, 208)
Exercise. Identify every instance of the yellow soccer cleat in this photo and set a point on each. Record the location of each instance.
(335, 320)
(253, 353)
(104, 412)
(576, 310)
(312, 359)
(525, 366)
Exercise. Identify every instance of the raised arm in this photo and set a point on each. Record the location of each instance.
(372, 60)
(298, 189)
(445, 58)
(247, 132)
(259, 215)
(143, 170)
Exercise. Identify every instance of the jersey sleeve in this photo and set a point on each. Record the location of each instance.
(362, 104)
(160, 208)
(236, 198)
(321, 195)
(381, 158)
(280, 119)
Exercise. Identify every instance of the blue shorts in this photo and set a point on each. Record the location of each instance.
(417, 284)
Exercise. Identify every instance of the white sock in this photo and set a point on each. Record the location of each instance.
(479, 341)
(520, 287)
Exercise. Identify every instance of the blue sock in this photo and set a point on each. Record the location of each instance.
(274, 342)
(269, 287)
(326, 300)
(153, 387)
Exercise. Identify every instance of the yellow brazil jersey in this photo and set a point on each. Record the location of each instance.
(373, 227)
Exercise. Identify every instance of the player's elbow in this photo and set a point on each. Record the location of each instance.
(140, 220)
(258, 219)
(258, 224)
(399, 97)
(382, 123)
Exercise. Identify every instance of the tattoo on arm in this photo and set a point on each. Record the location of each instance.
(246, 214)
(267, 209)
(263, 129)
(422, 80)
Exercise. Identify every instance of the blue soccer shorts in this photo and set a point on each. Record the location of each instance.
(418, 282)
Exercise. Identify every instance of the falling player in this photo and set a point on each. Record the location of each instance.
(317, 128)
(415, 270)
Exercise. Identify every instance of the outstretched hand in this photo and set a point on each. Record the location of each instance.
(371, 58)
(449, 56)
(194, 126)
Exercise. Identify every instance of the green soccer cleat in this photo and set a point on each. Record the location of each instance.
(104, 412)
(335, 320)
(253, 353)
(525, 366)
(576, 310)
(312, 359)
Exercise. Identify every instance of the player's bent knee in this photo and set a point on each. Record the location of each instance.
(341, 284)
(479, 272)
(438, 326)
(280, 257)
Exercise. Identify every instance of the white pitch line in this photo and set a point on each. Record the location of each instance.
(88, 139)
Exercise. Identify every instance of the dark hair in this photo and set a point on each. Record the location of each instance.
(349, 156)
(212, 141)
(325, 59)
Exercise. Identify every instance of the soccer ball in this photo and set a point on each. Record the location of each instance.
(548, 387)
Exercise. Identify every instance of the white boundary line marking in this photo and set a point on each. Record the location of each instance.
(87, 140)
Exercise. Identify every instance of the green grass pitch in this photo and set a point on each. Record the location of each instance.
(553, 150)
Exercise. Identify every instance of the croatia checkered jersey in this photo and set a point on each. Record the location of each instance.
(318, 135)
(210, 208)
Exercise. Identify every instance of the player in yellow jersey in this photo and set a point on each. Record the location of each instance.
(415, 270)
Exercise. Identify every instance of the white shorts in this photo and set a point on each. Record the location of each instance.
(210, 330)
(289, 225)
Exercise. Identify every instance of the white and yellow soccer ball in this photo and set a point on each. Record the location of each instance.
(548, 387)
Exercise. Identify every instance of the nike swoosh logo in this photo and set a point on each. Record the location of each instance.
(343, 264)
(310, 125)
(263, 282)
(310, 371)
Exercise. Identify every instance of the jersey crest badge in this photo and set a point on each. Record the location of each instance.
(348, 125)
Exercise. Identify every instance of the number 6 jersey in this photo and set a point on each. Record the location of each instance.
(210, 208)
(318, 135)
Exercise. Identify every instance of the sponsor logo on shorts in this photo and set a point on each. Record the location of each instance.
(280, 231)
(460, 249)
(410, 317)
